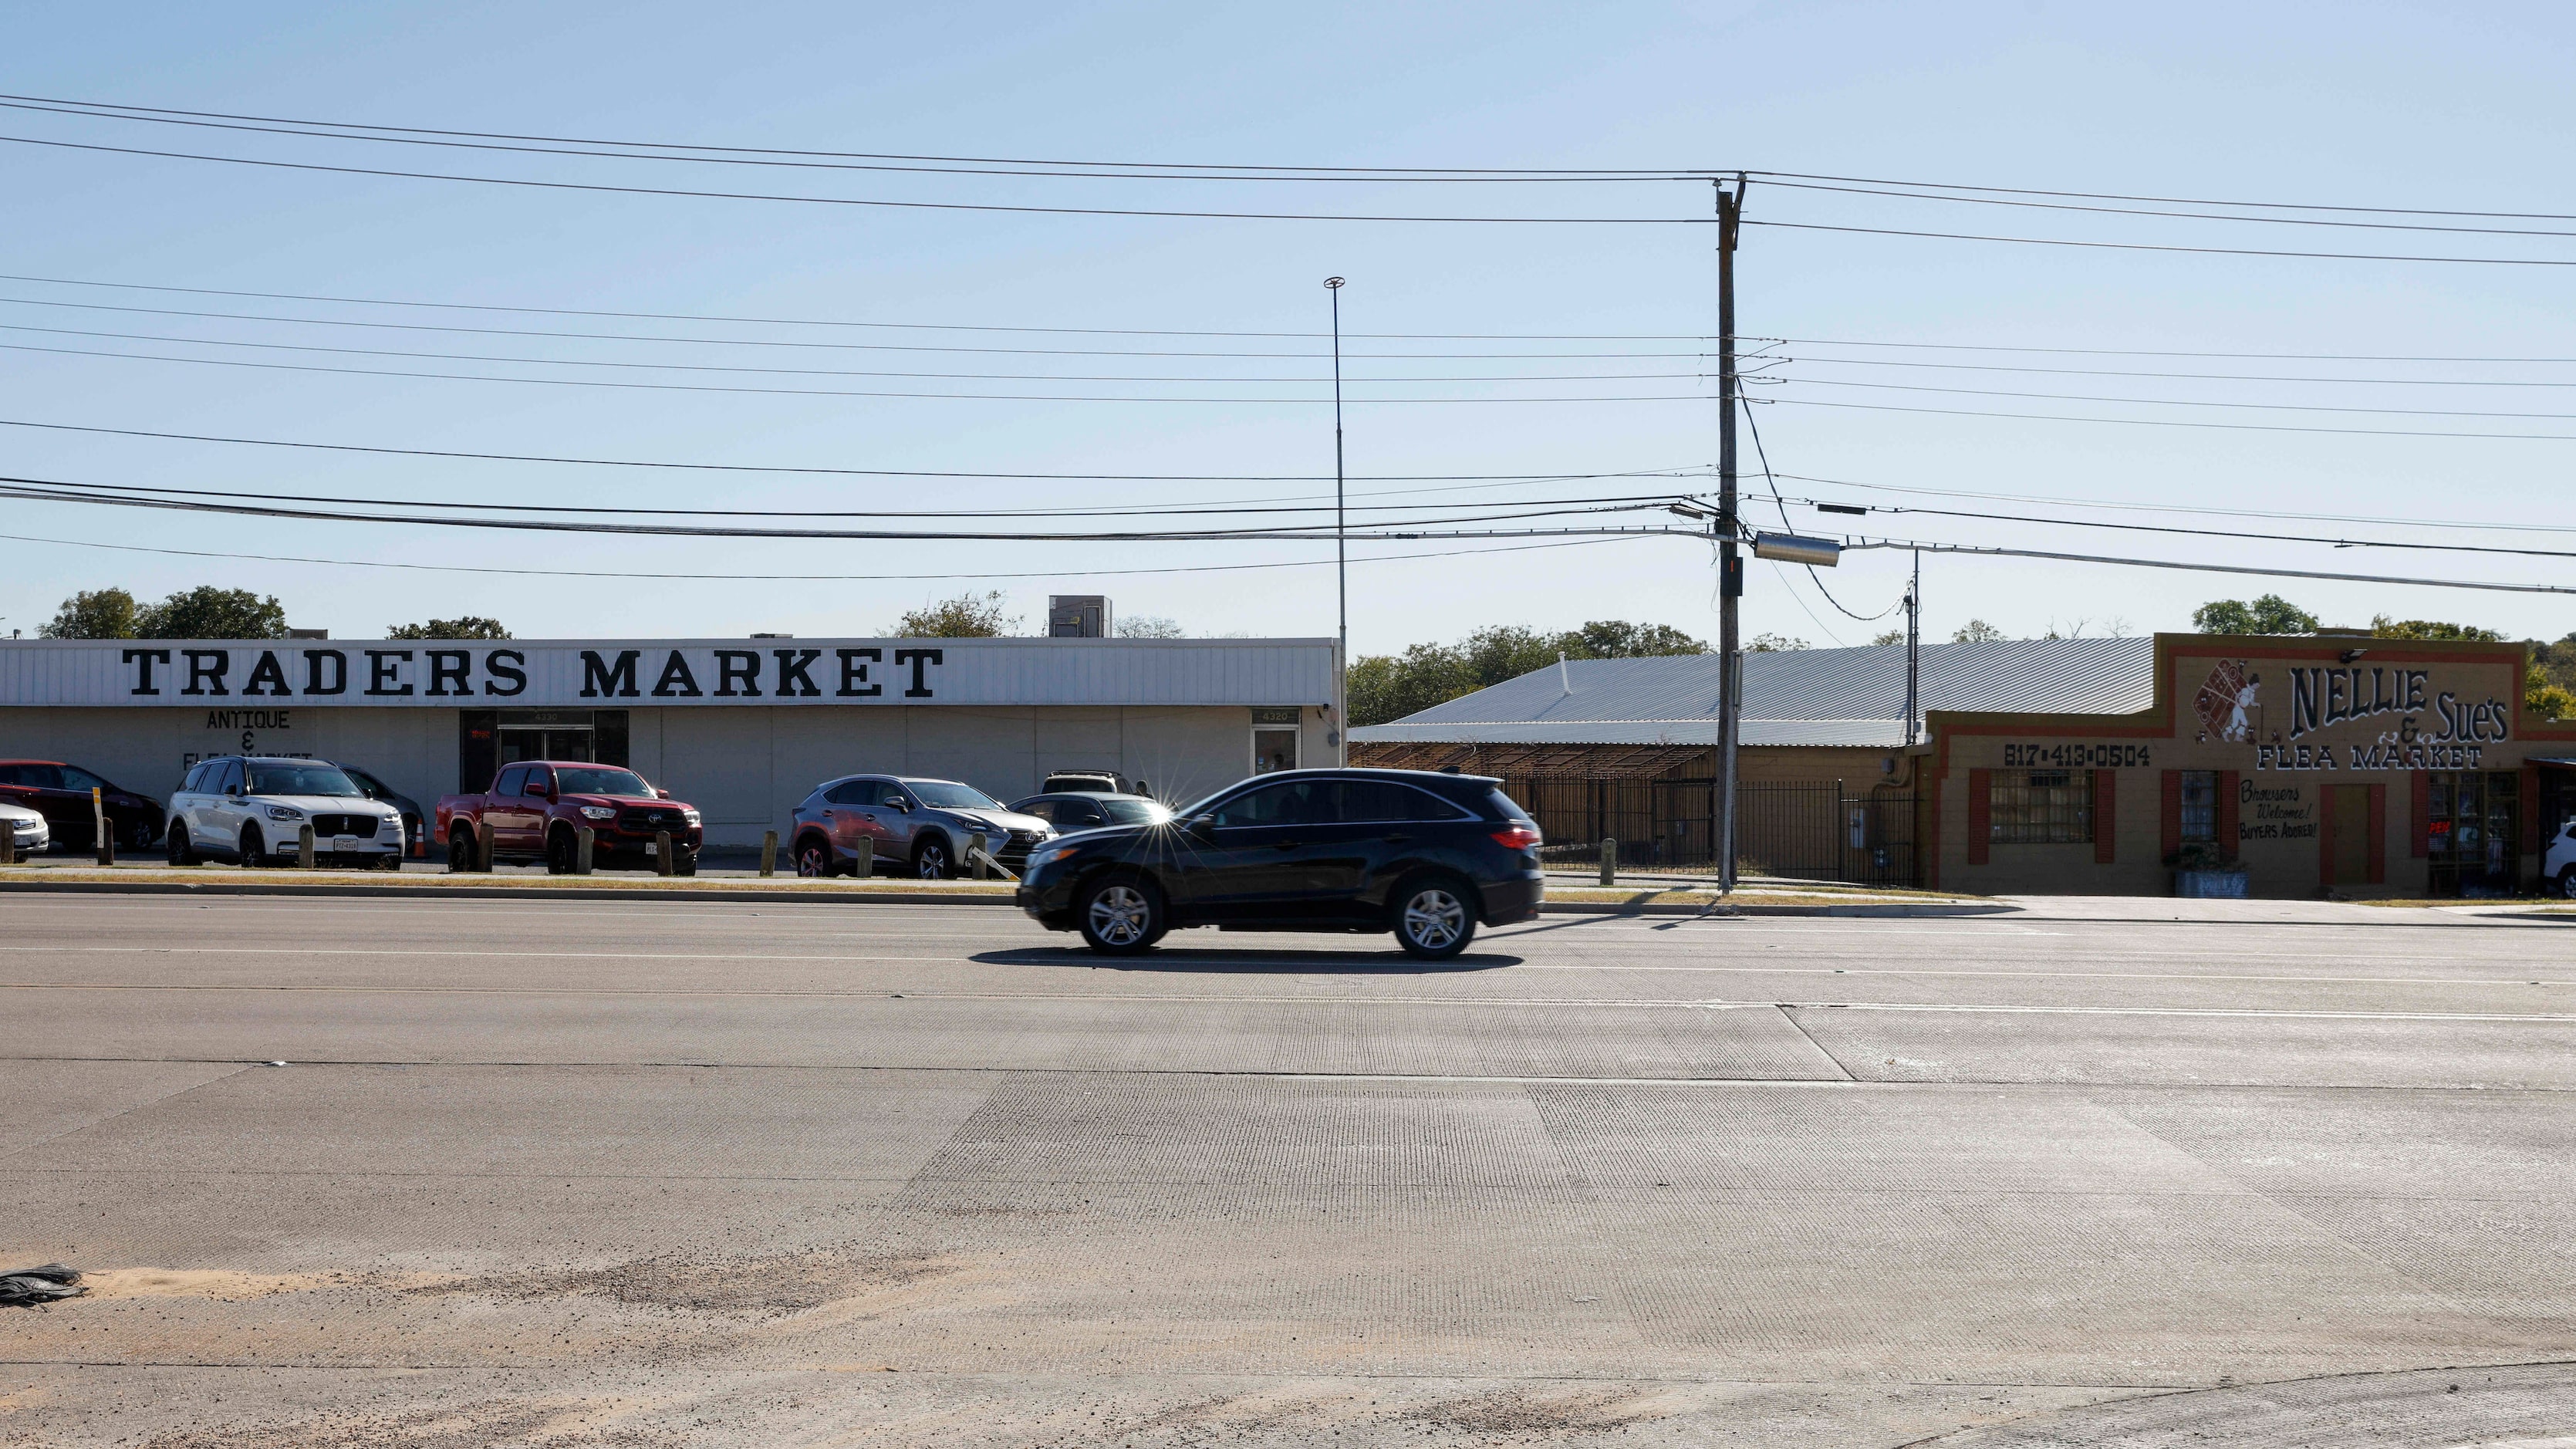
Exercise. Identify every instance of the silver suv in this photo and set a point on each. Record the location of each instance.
(920, 827)
(254, 810)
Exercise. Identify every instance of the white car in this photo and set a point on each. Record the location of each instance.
(254, 810)
(27, 827)
(2558, 862)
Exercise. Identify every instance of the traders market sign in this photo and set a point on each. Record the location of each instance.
(210, 675)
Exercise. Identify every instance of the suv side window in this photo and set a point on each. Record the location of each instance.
(76, 778)
(513, 780)
(1076, 814)
(1042, 809)
(850, 792)
(1385, 801)
(41, 777)
(1290, 802)
(229, 777)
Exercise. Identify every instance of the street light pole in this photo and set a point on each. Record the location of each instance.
(1730, 564)
(1341, 552)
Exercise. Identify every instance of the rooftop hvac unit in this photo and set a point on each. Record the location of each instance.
(1077, 616)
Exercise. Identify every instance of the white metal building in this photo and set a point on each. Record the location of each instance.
(741, 728)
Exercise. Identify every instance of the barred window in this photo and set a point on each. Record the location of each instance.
(2041, 807)
(2200, 805)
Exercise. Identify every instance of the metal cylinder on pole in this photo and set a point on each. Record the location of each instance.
(1730, 564)
(1341, 553)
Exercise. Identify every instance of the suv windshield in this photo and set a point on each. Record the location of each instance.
(279, 779)
(949, 795)
(575, 781)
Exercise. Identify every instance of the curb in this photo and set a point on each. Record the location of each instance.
(900, 898)
(490, 893)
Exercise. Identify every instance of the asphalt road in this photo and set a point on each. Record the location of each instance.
(626, 1173)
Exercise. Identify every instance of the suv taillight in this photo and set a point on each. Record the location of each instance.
(1519, 835)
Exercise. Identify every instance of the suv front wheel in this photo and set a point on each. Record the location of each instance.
(930, 859)
(1432, 919)
(1121, 916)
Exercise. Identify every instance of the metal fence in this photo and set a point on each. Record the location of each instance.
(1808, 831)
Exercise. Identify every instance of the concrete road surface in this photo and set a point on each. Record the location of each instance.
(643, 1174)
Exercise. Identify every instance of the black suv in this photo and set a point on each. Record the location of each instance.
(1424, 855)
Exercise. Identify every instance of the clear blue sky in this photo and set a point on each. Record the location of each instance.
(2419, 106)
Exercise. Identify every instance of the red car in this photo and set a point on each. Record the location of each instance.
(535, 806)
(60, 793)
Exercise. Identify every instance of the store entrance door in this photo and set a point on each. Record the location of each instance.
(1273, 750)
(548, 734)
(2349, 844)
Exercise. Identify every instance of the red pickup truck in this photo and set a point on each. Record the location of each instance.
(535, 806)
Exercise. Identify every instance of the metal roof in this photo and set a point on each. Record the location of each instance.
(1791, 697)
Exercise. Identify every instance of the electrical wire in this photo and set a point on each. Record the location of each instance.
(814, 371)
(2168, 402)
(2153, 352)
(39, 490)
(1158, 170)
(2117, 246)
(807, 578)
(2226, 533)
(2173, 422)
(845, 346)
(804, 391)
(2209, 568)
(2177, 215)
(875, 202)
(1480, 480)
(1557, 507)
(2182, 376)
(837, 322)
(1812, 576)
(2181, 507)
(2179, 200)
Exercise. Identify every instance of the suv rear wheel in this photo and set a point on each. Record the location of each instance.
(1121, 916)
(2567, 882)
(1432, 919)
(814, 858)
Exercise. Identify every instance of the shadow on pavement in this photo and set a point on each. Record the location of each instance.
(1251, 959)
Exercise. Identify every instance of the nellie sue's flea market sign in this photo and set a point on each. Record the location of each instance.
(2379, 717)
(638, 673)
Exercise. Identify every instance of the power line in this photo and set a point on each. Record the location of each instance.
(811, 371)
(1813, 577)
(41, 490)
(2181, 507)
(2182, 376)
(2180, 200)
(594, 186)
(840, 322)
(1534, 508)
(2208, 568)
(801, 391)
(1479, 479)
(1159, 170)
(2153, 352)
(806, 578)
(2164, 402)
(2117, 246)
(2174, 422)
(2176, 215)
(839, 346)
(2226, 533)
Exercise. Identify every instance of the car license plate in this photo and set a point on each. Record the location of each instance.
(344, 843)
(652, 847)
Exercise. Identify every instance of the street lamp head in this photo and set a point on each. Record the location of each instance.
(1333, 282)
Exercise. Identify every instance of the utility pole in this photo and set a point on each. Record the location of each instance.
(1341, 552)
(1730, 563)
(1913, 647)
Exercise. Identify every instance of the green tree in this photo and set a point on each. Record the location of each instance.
(1976, 631)
(1888, 636)
(103, 614)
(1390, 686)
(469, 626)
(968, 616)
(2270, 614)
(1773, 644)
(207, 612)
(2384, 627)
(1150, 626)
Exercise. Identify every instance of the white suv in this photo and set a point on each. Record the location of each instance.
(254, 810)
(2558, 863)
(27, 828)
